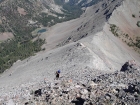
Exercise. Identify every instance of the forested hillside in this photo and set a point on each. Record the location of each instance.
(20, 18)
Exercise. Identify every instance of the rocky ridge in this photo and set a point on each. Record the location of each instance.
(118, 88)
(99, 14)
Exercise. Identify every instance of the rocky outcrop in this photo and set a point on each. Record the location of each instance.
(121, 87)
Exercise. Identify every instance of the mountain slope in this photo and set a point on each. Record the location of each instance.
(94, 19)
(91, 22)
(125, 19)
(82, 57)
(19, 18)
(122, 86)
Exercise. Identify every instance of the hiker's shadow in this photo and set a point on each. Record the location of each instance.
(79, 101)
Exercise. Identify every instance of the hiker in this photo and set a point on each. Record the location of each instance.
(57, 74)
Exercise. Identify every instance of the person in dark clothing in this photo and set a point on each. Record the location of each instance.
(57, 74)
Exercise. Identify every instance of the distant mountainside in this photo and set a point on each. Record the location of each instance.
(21, 17)
(125, 24)
(94, 18)
(18, 18)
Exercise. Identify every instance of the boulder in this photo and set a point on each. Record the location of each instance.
(84, 91)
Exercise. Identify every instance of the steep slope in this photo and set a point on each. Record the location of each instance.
(125, 20)
(18, 18)
(97, 53)
(93, 19)
(91, 22)
(120, 87)
(110, 48)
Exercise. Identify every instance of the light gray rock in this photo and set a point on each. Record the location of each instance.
(10, 102)
(84, 91)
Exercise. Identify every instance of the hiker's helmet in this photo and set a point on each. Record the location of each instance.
(59, 71)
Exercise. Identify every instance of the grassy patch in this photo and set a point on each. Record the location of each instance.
(114, 29)
(131, 42)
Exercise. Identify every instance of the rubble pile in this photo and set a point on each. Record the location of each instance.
(118, 88)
